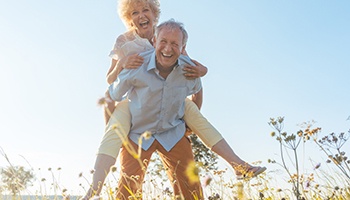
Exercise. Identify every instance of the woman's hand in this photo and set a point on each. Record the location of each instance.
(196, 71)
(131, 62)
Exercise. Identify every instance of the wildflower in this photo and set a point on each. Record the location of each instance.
(307, 184)
(135, 177)
(317, 166)
(214, 197)
(261, 195)
(280, 119)
(147, 135)
(113, 168)
(240, 194)
(110, 192)
(272, 134)
(114, 127)
(103, 101)
(167, 190)
(65, 197)
(192, 172)
(207, 181)
(300, 133)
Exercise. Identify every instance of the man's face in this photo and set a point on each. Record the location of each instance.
(168, 46)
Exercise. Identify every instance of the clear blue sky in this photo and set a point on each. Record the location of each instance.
(265, 58)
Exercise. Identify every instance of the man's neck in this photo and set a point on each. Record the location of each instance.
(165, 71)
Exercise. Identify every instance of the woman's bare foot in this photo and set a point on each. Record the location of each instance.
(243, 172)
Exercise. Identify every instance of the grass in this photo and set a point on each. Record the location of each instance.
(324, 181)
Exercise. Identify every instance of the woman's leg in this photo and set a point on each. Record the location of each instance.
(117, 128)
(108, 110)
(200, 125)
(103, 164)
(214, 140)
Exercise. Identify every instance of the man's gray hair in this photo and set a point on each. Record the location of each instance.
(172, 24)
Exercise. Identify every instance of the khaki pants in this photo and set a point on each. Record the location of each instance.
(175, 161)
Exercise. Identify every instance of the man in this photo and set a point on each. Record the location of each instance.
(157, 91)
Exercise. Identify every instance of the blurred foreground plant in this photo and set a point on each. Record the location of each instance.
(15, 178)
(331, 145)
(288, 142)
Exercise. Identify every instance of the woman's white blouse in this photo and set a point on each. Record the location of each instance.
(129, 43)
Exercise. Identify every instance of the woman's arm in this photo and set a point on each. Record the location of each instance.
(128, 62)
(113, 71)
(196, 71)
(198, 98)
(193, 72)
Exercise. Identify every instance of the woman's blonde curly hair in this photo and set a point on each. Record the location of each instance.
(125, 6)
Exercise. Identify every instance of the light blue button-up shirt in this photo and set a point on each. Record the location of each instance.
(156, 104)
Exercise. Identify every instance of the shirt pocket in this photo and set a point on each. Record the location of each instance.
(178, 96)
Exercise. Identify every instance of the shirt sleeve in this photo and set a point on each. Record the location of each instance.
(197, 86)
(197, 83)
(120, 87)
(117, 51)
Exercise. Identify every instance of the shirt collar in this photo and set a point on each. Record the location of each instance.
(152, 62)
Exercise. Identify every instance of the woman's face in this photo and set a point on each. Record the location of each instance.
(142, 19)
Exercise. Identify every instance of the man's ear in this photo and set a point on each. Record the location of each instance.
(183, 51)
(154, 41)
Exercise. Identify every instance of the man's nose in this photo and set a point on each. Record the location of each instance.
(167, 47)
